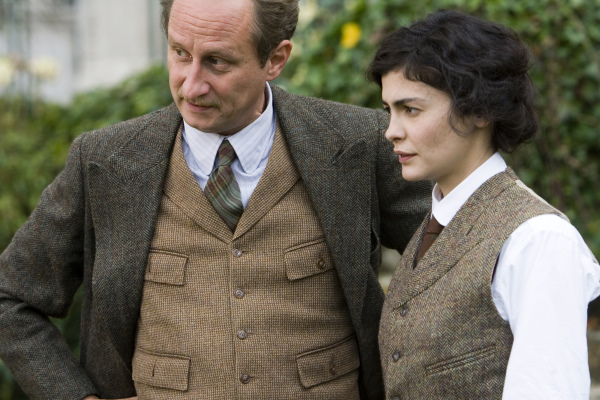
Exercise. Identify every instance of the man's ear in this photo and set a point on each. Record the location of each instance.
(278, 59)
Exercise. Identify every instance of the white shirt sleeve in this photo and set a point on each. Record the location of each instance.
(545, 277)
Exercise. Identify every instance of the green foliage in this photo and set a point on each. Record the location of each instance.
(35, 137)
(562, 165)
(34, 141)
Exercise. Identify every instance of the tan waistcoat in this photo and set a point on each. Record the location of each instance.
(441, 337)
(257, 314)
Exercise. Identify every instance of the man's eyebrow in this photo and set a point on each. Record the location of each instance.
(174, 43)
(227, 54)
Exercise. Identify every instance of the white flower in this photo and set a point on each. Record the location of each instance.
(7, 71)
(44, 68)
(308, 11)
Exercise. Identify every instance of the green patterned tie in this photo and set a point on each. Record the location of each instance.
(222, 189)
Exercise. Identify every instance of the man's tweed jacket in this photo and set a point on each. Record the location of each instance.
(94, 223)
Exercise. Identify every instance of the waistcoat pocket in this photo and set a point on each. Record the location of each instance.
(161, 370)
(460, 361)
(307, 259)
(166, 267)
(328, 363)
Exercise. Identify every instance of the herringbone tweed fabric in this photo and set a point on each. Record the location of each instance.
(441, 337)
(254, 314)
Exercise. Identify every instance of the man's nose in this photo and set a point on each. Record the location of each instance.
(196, 82)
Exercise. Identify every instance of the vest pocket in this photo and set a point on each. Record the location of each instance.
(307, 259)
(460, 361)
(166, 267)
(161, 370)
(328, 363)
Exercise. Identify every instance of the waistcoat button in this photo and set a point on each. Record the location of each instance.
(404, 310)
(239, 293)
(242, 334)
(396, 356)
(244, 378)
(321, 264)
(237, 252)
(333, 369)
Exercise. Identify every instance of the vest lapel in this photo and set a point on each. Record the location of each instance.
(441, 256)
(181, 188)
(279, 177)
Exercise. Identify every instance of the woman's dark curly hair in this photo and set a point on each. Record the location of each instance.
(481, 65)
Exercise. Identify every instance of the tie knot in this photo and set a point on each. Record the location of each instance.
(226, 153)
(434, 226)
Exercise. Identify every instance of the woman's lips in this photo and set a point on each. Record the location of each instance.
(404, 157)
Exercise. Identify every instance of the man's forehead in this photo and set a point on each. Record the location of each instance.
(222, 15)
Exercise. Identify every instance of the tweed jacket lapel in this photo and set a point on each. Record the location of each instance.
(336, 174)
(279, 177)
(441, 257)
(125, 188)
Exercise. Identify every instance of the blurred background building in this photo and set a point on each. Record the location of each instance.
(55, 48)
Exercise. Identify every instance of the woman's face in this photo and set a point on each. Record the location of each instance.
(427, 146)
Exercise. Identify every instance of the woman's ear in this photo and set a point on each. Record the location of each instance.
(480, 122)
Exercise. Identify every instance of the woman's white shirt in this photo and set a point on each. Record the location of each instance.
(545, 278)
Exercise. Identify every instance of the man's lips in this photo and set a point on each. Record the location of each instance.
(197, 107)
(403, 156)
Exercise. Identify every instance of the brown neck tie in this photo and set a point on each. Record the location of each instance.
(431, 233)
(222, 189)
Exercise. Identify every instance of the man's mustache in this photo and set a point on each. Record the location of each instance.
(200, 102)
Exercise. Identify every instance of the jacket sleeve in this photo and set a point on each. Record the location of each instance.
(402, 204)
(40, 271)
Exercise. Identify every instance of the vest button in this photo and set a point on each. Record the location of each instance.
(244, 378)
(239, 293)
(333, 369)
(237, 252)
(321, 264)
(404, 310)
(396, 356)
(242, 334)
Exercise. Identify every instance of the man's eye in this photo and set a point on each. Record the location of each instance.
(216, 61)
(181, 53)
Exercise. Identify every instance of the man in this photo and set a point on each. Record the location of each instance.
(185, 296)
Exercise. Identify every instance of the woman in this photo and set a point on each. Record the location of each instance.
(496, 308)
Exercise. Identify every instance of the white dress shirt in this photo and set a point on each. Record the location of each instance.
(545, 277)
(252, 145)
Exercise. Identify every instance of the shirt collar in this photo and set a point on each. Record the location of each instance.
(444, 209)
(250, 144)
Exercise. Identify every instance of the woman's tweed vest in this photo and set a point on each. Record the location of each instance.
(257, 314)
(441, 336)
